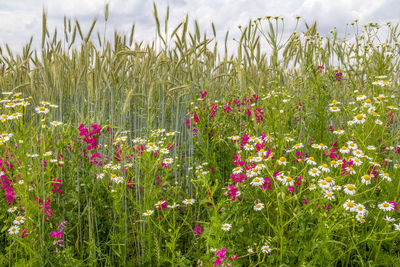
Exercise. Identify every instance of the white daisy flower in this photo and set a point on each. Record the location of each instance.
(188, 201)
(324, 168)
(13, 230)
(366, 179)
(148, 213)
(43, 110)
(350, 189)
(257, 181)
(12, 210)
(359, 119)
(334, 109)
(258, 206)
(329, 195)
(266, 249)
(314, 172)
(310, 161)
(360, 208)
(19, 220)
(349, 205)
(226, 227)
(344, 150)
(352, 145)
(389, 219)
(386, 206)
(56, 123)
(282, 161)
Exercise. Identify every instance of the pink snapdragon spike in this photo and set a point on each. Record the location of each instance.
(57, 185)
(221, 255)
(203, 94)
(197, 230)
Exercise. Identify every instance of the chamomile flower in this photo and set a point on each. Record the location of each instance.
(100, 176)
(356, 161)
(258, 206)
(349, 205)
(314, 172)
(336, 188)
(378, 122)
(397, 227)
(297, 146)
(173, 206)
(13, 230)
(316, 146)
(360, 217)
(349, 189)
(311, 161)
(359, 118)
(248, 147)
(324, 168)
(56, 123)
(361, 97)
(118, 179)
(329, 195)
(12, 210)
(389, 219)
(312, 187)
(226, 227)
(257, 181)
(282, 161)
(366, 179)
(386, 206)
(351, 145)
(19, 220)
(266, 249)
(148, 213)
(344, 150)
(338, 132)
(43, 110)
(188, 201)
(168, 161)
(288, 181)
(371, 148)
(376, 164)
(164, 151)
(360, 209)
(385, 176)
(334, 109)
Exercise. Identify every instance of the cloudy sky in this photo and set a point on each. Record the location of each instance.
(20, 19)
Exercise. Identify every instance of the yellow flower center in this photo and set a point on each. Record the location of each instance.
(324, 166)
(367, 177)
(282, 159)
(385, 205)
(350, 187)
(359, 117)
(367, 100)
(289, 179)
(350, 204)
(328, 179)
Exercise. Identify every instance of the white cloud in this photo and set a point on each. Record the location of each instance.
(21, 19)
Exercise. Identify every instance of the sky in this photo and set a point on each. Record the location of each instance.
(21, 19)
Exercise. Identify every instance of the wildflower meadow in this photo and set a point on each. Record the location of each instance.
(283, 153)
